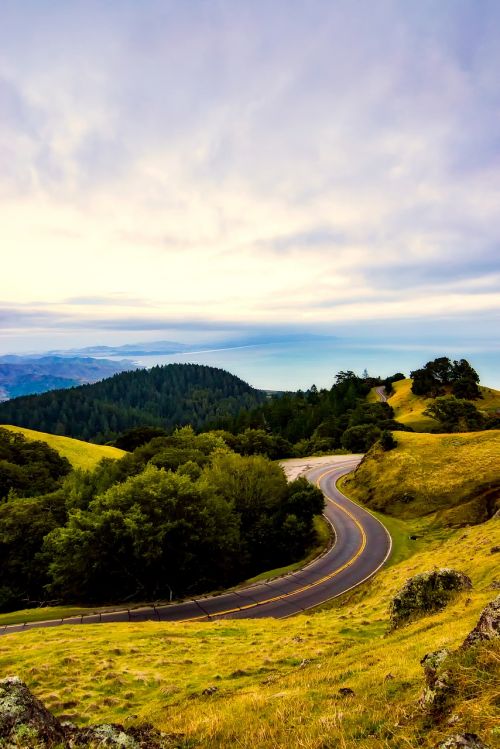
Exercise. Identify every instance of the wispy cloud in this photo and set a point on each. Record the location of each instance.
(221, 164)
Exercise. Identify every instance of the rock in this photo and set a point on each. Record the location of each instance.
(346, 692)
(105, 735)
(210, 690)
(21, 712)
(426, 593)
(389, 677)
(431, 663)
(463, 741)
(494, 549)
(495, 585)
(488, 626)
(24, 721)
(439, 689)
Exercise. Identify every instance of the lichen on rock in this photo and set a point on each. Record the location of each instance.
(26, 722)
(426, 593)
(488, 626)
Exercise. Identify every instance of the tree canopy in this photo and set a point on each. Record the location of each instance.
(442, 375)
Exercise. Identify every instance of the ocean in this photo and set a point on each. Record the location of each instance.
(300, 364)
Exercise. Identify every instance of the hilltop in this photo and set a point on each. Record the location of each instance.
(166, 397)
(80, 454)
(409, 408)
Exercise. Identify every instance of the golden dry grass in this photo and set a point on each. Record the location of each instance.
(277, 681)
(456, 475)
(80, 454)
(409, 408)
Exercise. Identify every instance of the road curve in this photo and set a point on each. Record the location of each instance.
(362, 545)
(382, 393)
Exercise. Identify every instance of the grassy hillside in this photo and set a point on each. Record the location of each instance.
(456, 477)
(278, 681)
(409, 408)
(80, 454)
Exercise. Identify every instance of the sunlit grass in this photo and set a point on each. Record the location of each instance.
(409, 408)
(453, 475)
(80, 454)
(277, 681)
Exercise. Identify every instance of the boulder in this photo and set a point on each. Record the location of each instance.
(22, 714)
(25, 722)
(426, 593)
(488, 626)
(463, 741)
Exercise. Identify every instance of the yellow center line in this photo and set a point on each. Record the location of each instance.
(314, 584)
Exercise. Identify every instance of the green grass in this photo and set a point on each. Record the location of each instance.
(80, 454)
(453, 478)
(43, 614)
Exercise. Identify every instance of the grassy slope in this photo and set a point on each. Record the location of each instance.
(277, 681)
(80, 454)
(409, 408)
(456, 476)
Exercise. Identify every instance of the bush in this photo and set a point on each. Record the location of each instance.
(387, 441)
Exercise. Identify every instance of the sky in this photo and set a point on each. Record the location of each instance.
(208, 169)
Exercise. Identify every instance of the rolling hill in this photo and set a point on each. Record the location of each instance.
(409, 408)
(80, 454)
(168, 396)
(454, 478)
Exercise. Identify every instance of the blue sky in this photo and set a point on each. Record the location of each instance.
(203, 169)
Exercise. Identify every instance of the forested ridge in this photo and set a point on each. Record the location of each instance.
(167, 397)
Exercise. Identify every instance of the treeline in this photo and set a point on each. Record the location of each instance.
(166, 397)
(181, 512)
(314, 421)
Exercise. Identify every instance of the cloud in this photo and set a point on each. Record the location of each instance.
(249, 163)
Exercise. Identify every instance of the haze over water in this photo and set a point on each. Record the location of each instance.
(300, 364)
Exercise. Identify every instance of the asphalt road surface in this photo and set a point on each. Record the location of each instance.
(362, 545)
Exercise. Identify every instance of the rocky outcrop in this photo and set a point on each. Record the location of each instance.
(25, 722)
(441, 687)
(426, 593)
(488, 626)
(439, 690)
(21, 713)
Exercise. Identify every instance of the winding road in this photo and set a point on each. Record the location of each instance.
(362, 545)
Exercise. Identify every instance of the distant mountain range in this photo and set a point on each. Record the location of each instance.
(151, 348)
(31, 374)
(25, 375)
